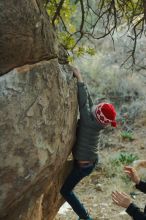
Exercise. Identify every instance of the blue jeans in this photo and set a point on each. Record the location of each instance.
(76, 175)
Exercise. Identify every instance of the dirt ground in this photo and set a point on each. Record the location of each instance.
(95, 191)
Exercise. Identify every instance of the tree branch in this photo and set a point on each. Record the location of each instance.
(58, 9)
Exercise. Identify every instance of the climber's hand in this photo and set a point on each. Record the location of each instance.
(77, 74)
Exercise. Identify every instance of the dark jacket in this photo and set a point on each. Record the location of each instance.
(133, 210)
(87, 129)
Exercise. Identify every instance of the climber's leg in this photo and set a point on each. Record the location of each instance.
(74, 177)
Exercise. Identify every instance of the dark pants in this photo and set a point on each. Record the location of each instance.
(76, 175)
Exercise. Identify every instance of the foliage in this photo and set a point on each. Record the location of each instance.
(66, 24)
(117, 162)
(127, 135)
(115, 165)
(124, 158)
(79, 22)
(108, 80)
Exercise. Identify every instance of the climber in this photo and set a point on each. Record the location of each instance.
(125, 201)
(93, 118)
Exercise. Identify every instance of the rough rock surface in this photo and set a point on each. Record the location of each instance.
(26, 37)
(37, 126)
(38, 109)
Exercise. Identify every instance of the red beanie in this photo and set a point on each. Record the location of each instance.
(106, 114)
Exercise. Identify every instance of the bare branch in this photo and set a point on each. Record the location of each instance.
(108, 14)
(83, 15)
(144, 6)
(81, 25)
(58, 9)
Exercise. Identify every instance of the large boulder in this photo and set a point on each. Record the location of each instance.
(38, 112)
(37, 128)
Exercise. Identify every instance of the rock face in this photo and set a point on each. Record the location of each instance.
(26, 36)
(38, 109)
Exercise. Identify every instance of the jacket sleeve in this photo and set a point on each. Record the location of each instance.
(84, 100)
(135, 212)
(141, 186)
